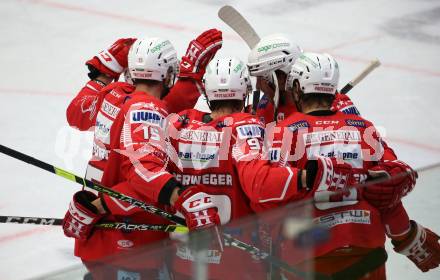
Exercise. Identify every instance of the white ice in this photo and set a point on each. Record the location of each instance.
(44, 44)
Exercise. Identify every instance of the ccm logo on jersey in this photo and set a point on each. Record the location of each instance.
(147, 116)
(250, 131)
(344, 217)
(320, 122)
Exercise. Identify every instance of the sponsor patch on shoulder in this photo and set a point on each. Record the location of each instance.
(250, 131)
(356, 123)
(297, 125)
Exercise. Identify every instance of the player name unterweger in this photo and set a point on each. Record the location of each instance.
(206, 179)
(331, 136)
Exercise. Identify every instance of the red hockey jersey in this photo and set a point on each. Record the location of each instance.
(97, 107)
(224, 155)
(352, 221)
(134, 165)
(113, 122)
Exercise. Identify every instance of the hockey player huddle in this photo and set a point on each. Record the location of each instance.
(306, 142)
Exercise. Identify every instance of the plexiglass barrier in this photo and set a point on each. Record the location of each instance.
(277, 244)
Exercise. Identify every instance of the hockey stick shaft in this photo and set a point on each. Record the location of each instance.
(239, 24)
(119, 226)
(148, 208)
(87, 183)
(373, 65)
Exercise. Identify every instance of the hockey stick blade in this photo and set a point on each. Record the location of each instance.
(119, 226)
(373, 65)
(239, 24)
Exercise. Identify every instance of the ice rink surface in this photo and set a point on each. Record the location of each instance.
(44, 45)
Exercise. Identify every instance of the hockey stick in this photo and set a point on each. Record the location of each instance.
(87, 183)
(241, 26)
(373, 65)
(151, 209)
(120, 226)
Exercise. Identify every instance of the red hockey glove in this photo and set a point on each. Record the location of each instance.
(331, 182)
(399, 179)
(199, 53)
(113, 61)
(344, 104)
(328, 174)
(81, 216)
(195, 203)
(421, 247)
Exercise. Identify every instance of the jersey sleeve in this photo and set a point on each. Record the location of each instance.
(265, 185)
(183, 95)
(82, 110)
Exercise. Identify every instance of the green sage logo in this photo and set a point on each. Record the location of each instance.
(158, 47)
(238, 67)
(305, 58)
(272, 46)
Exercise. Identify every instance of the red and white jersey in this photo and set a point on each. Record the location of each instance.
(134, 167)
(97, 107)
(301, 137)
(127, 127)
(225, 155)
(205, 156)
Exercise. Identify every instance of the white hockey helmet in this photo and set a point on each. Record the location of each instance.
(152, 59)
(316, 73)
(227, 79)
(272, 53)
